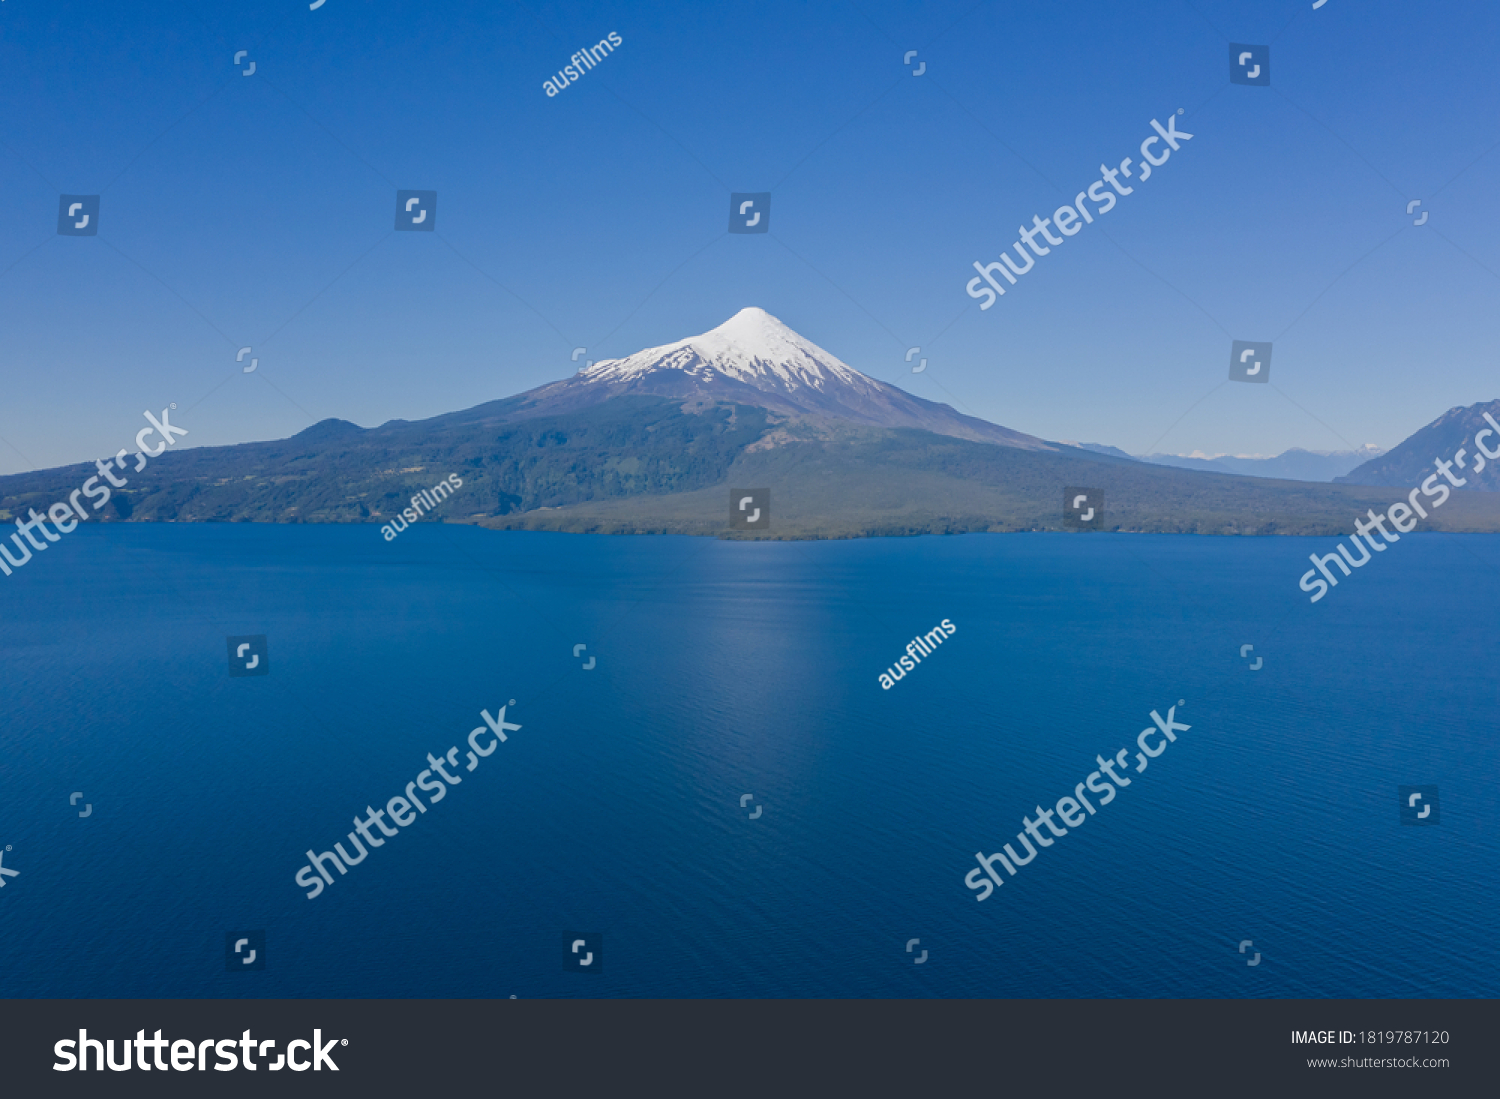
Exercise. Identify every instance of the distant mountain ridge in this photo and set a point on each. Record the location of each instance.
(1101, 448)
(1295, 464)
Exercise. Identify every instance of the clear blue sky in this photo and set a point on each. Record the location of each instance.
(258, 210)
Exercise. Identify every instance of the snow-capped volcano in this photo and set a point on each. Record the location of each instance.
(754, 359)
(752, 347)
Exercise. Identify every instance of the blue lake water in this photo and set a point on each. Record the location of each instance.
(724, 669)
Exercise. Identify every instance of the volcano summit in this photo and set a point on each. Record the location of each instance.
(754, 359)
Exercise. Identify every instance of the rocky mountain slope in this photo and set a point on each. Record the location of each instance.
(1407, 465)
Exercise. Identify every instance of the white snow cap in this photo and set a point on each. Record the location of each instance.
(752, 346)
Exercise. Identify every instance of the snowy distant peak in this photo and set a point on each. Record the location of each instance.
(751, 347)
